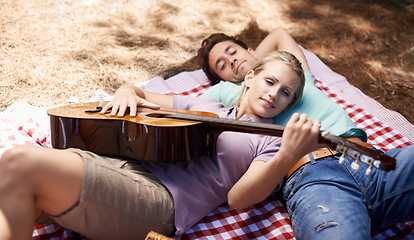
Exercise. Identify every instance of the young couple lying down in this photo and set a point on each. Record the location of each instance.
(86, 192)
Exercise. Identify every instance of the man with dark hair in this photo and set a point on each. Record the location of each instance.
(227, 58)
(204, 51)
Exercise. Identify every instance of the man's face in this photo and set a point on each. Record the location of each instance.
(230, 61)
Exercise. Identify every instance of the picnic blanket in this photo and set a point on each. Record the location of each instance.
(22, 123)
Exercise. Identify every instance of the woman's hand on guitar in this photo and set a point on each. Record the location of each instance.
(301, 136)
(125, 97)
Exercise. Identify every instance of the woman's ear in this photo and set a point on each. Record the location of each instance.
(248, 78)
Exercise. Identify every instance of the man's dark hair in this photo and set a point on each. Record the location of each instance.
(204, 51)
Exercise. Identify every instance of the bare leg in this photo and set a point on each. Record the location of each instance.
(32, 179)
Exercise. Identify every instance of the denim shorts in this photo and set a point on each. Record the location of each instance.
(120, 199)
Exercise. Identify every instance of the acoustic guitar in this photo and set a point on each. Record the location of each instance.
(167, 135)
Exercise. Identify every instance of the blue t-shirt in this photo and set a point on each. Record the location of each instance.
(314, 103)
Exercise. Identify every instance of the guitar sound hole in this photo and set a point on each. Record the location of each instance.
(154, 115)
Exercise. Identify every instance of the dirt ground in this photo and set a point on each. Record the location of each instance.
(371, 43)
(51, 51)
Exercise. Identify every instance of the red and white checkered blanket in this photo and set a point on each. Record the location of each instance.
(25, 124)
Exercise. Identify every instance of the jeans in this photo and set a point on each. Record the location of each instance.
(328, 200)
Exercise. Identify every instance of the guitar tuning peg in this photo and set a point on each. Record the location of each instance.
(368, 171)
(355, 165)
(342, 158)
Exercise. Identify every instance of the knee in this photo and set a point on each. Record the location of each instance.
(17, 160)
(404, 156)
(405, 152)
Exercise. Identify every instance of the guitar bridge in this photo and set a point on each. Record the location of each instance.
(98, 109)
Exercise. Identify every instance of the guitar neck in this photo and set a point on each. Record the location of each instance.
(225, 124)
(367, 155)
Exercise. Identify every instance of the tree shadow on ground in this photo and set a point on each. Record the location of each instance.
(369, 42)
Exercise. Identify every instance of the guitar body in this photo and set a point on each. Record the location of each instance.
(147, 137)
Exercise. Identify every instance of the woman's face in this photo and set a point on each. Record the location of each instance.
(270, 91)
(230, 61)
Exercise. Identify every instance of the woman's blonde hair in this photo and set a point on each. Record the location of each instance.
(285, 57)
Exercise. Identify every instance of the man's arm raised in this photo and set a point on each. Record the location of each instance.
(281, 40)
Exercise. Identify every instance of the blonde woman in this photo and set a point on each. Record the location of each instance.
(111, 198)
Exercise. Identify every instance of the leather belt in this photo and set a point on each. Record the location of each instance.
(321, 153)
(318, 154)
